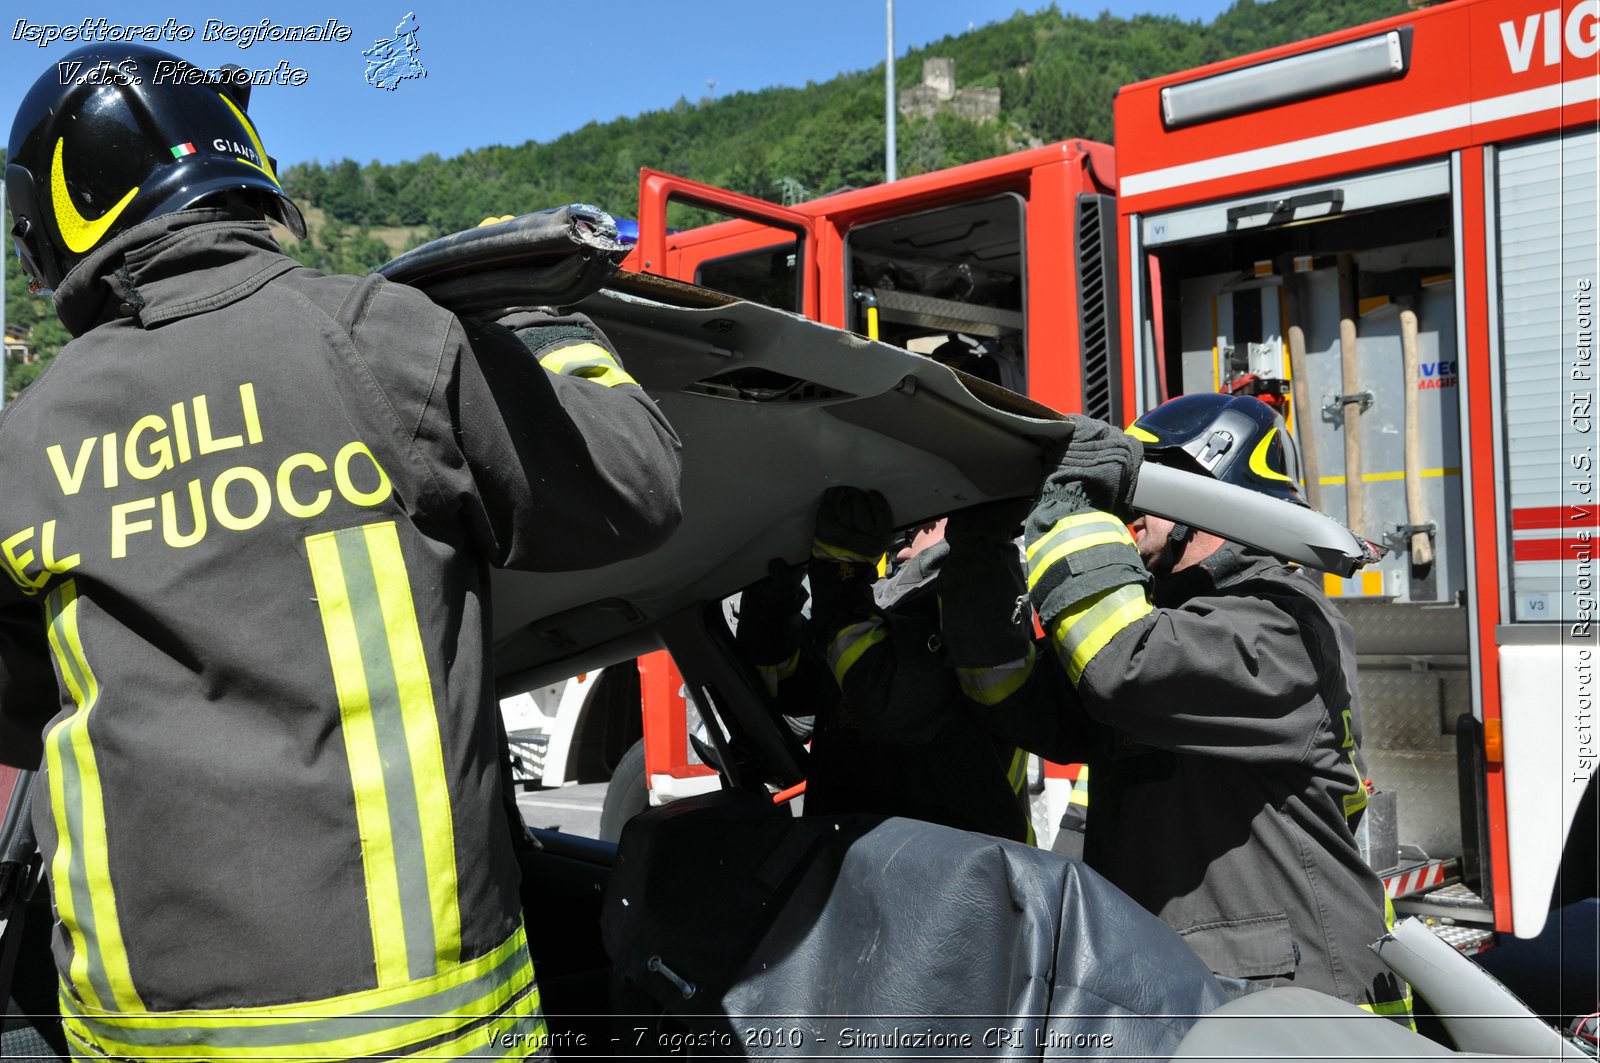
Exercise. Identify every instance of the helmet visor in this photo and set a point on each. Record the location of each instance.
(26, 234)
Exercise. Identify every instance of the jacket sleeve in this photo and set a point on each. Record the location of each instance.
(574, 465)
(771, 639)
(1042, 714)
(1230, 676)
(894, 687)
(28, 692)
(987, 627)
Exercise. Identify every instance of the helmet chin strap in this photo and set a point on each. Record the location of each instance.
(1172, 552)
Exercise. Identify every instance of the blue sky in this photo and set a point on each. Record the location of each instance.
(508, 73)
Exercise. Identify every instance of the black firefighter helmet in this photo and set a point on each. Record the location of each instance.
(1237, 438)
(115, 134)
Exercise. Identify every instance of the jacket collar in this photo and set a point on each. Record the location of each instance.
(1230, 564)
(170, 267)
(912, 576)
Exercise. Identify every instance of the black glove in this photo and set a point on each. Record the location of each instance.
(983, 604)
(781, 590)
(990, 522)
(854, 527)
(1103, 461)
(1070, 561)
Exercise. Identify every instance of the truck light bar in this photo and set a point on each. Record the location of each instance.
(1343, 66)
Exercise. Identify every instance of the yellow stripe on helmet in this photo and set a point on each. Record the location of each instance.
(78, 232)
(1258, 460)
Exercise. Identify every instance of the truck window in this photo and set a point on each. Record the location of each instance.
(744, 246)
(947, 282)
(766, 275)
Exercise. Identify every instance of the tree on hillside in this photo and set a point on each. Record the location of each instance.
(1057, 76)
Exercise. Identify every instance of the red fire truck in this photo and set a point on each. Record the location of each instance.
(1007, 255)
(1390, 234)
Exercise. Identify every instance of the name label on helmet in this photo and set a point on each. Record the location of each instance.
(233, 147)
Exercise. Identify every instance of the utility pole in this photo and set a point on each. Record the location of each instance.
(889, 108)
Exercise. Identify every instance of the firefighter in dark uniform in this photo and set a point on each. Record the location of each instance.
(244, 626)
(1217, 688)
(898, 671)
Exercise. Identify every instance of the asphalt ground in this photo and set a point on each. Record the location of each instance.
(569, 809)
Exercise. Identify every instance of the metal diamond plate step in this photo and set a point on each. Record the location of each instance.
(1454, 906)
(527, 756)
(1468, 939)
(1456, 896)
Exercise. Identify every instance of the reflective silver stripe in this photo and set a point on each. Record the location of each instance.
(391, 736)
(990, 686)
(850, 643)
(1017, 773)
(80, 866)
(1072, 534)
(1084, 630)
(774, 674)
(377, 1022)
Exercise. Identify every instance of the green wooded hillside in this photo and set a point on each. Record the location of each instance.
(1057, 75)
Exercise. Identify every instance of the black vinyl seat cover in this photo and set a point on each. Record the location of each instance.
(866, 937)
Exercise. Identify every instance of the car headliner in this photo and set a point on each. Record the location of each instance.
(772, 409)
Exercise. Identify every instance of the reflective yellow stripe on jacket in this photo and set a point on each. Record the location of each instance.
(850, 643)
(773, 675)
(1084, 630)
(391, 735)
(1071, 535)
(1398, 1010)
(1017, 776)
(829, 552)
(588, 360)
(993, 685)
(1353, 803)
(80, 867)
(427, 1003)
(1080, 789)
(484, 1008)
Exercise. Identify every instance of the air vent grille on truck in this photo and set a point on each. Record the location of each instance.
(1098, 332)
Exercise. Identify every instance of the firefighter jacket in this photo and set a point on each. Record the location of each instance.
(894, 731)
(1223, 788)
(248, 516)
